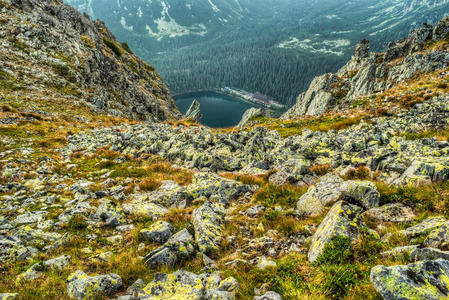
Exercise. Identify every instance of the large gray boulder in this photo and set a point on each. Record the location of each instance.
(392, 212)
(422, 280)
(342, 220)
(425, 227)
(82, 286)
(325, 193)
(194, 112)
(177, 249)
(363, 193)
(208, 221)
(185, 285)
(159, 232)
(438, 238)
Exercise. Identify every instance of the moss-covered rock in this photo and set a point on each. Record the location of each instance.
(158, 232)
(363, 193)
(422, 280)
(425, 227)
(438, 238)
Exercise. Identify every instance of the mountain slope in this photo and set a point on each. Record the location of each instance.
(274, 47)
(51, 48)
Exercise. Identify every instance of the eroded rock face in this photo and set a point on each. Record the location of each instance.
(158, 232)
(368, 73)
(250, 113)
(194, 112)
(362, 193)
(438, 238)
(342, 220)
(317, 98)
(422, 280)
(82, 286)
(72, 49)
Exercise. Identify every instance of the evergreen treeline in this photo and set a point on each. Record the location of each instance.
(251, 65)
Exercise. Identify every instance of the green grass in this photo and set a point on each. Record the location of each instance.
(272, 195)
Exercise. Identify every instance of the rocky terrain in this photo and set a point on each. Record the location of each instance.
(98, 204)
(49, 50)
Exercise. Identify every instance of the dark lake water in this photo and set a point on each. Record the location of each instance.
(218, 110)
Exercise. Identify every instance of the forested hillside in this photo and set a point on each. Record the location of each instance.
(274, 47)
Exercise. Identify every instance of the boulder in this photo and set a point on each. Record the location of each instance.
(158, 232)
(421, 280)
(415, 253)
(362, 193)
(425, 227)
(290, 172)
(342, 220)
(392, 212)
(185, 285)
(178, 248)
(194, 112)
(208, 221)
(110, 213)
(9, 296)
(438, 238)
(82, 286)
(170, 194)
(206, 184)
(325, 193)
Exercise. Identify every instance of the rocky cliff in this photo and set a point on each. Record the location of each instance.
(50, 50)
(370, 73)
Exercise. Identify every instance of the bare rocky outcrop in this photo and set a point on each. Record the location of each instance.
(194, 112)
(367, 73)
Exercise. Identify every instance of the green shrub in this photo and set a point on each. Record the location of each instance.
(339, 251)
(114, 48)
(126, 47)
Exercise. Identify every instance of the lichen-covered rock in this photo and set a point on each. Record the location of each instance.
(325, 193)
(423, 171)
(438, 238)
(82, 286)
(441, 29)
(206, 184)
(208, 221)
(158, 232)
(141, 207)
(185, 285)
(290, 172)
(342, 220)
(363, 193)
(425, 227)
(9, 296)
(170, 194)
(422, 280)
(415, 253)
(110, 213)
(392, 212)
(12, 251)
(179, 247)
